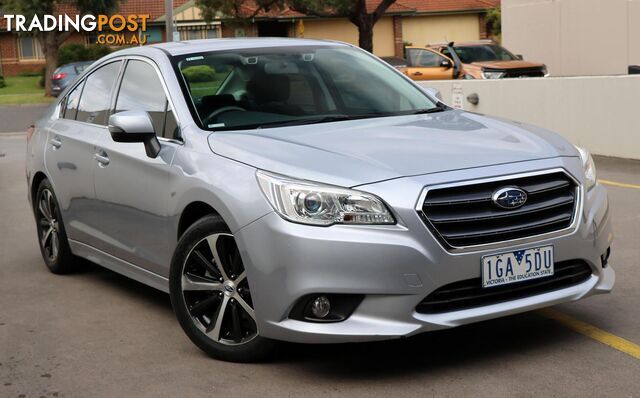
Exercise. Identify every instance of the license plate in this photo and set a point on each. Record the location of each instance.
(517, 266)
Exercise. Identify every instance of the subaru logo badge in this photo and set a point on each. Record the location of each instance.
(509, 198)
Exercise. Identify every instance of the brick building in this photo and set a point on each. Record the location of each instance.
(407, 21)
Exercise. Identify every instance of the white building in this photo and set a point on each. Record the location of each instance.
(574, 37)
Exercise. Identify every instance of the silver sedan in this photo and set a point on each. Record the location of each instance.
(305, 191)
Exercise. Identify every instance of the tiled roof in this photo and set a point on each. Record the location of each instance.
(426, 6)
(155, 8)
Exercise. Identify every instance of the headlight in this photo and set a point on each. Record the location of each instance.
(492, 74)
(316, 204)
(589, 167)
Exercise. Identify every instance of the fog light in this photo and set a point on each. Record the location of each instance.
(320, 307)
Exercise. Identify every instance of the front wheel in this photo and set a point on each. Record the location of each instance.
(210, 294)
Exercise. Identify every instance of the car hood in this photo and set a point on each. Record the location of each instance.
(365, 151)
(508, 64)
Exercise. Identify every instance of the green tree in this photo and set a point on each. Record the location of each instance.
(494, 22)
(51, 41)
(354, 10)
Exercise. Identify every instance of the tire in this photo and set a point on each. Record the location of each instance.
(52, 237)
(210, 294)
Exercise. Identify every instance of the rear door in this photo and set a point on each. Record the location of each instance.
(133, 188)
(424, 64)
(70, 147)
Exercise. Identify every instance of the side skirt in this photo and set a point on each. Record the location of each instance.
(120, 266)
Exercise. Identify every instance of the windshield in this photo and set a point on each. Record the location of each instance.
(489, 52)
(270, 87)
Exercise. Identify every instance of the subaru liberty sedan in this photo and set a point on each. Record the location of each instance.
(305, 191)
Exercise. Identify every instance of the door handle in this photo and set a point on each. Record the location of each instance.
(102, 158)
(417, 73)
(55, 142)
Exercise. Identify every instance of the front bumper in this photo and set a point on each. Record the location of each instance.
(395, 267)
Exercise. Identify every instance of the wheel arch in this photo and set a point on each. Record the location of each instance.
(193, 212)
(38, 177)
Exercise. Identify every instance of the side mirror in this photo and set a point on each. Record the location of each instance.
(457, 63)
(445, 63)
(520, 57)
(135, 126)
(433, 92)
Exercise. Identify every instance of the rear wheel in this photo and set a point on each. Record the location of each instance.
(52, 237)
(210, 294)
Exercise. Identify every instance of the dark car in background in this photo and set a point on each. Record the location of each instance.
(66, 74)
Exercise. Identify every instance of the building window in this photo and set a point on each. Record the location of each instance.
(29, 48)
(199, 32)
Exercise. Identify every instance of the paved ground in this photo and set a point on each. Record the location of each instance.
(99, 334)
(19, 117)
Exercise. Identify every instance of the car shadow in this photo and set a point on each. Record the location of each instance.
(504, 338)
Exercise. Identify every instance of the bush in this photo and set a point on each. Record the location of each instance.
(77, 52)
(494, 23)
(199, 73)
(2, 83)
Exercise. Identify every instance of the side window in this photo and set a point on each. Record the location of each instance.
(141, 89)
(71, 102)
(428, 59)
(94, 103)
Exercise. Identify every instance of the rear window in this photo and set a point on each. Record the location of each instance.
(482, 53)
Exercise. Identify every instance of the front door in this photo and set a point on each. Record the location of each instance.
(133, 189)
(424, 64)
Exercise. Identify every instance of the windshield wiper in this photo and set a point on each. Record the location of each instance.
(312, 120)
(440, 107)
(331, 118)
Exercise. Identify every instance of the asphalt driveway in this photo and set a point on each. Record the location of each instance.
(17, 118)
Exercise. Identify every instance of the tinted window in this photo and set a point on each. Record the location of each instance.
(141, 89)
(171, 125)
(490, 52)
(71, 102)
(94, 104)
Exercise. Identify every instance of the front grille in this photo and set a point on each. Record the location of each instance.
(470, 293)
(465, 215)
(523, 73)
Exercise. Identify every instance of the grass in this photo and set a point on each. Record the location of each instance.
(22, 90)
(201, 89)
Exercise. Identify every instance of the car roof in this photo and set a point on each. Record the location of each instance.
(196, 46)
(466, 43)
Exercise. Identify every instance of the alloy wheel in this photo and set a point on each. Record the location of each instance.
(216, 291)
(48, 224)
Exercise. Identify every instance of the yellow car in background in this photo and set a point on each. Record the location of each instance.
(426, 64)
